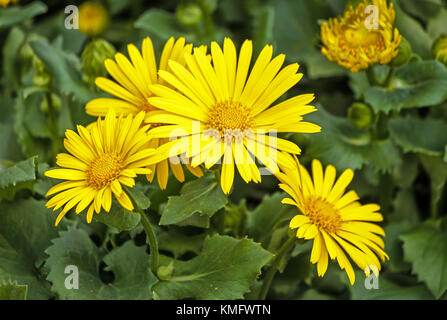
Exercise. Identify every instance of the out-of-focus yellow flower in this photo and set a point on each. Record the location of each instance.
(362, 37)
(93, 18)
(5, 3)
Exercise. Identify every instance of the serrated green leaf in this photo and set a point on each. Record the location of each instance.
(345, 147)
(16, 14)
(436, 168)
(66, 79)
(21, 175)
(261, 222)
(203, 196)
(26, 230)
(427, 136)
(387, 290)
(425, 248)
(225, 269)
(179, 243)
(12, 291)
(129, 264)
(417, 84)
(119, 218)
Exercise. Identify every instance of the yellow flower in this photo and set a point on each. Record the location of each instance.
(93, 18)
(5, 3)
(338, 224)
(102, 158)
(362, 37)
(221, 110)
(132, 91)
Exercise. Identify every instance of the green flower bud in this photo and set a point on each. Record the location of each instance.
(360, 115)
(165, 272)
(55, 102)
(41, 76)
(93, 56)
(439, 49)
(189, 15)
(404, 55)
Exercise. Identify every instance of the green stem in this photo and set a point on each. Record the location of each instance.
(274, 267)
(150, 234)
(371, 75)
(390, 75)
(54, 126)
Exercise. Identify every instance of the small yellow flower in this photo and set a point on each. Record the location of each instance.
(93, 18)
(5, 3)
(131, 90)
(362, 37)
(222, 110)
(108, 154)
(338, 224)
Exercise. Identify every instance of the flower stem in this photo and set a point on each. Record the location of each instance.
(274, 267)
(371, 75)
(150, 234)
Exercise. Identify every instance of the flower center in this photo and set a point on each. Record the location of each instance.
(103, 170)
(323, 214)
(228, 116)
(370, 40)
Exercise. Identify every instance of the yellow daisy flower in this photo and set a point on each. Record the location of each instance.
(131, 90)
(93, 18)
(338, 224)
(5, 3)
(362, 37)
(102, 158)
(221, 110)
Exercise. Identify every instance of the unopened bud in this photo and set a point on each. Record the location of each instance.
(93, 18)
(439, 49)
(93, 56)
(404, 55)
(189, 15)
(360, 115)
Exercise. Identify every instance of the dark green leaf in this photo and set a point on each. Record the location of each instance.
(17, 14)
(12, 291)
(21, 175)
(225, 269)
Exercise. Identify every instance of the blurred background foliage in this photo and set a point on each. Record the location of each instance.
(394, 137)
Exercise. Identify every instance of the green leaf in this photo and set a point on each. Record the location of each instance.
(160, 23)
(11, 47)
(119, 218)
(262, 221)
(387, 290)
(129, 264)
(437, 26)
(66, 79)
(425, 248)
(263, 20)
(427, 136)
(225, 269)
(417, 84)
(436, 168)
(345, 147)
(203, 196)
(26, 230)
(16, 14)
(21, 175)
(12, 291)
(178, 243)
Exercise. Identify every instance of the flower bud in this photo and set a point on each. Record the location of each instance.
(165, 272)
(360, 115)
(189, 15)
(41, 76)
(439, 49)
(55, 102)
(404, 55)
(93, 56)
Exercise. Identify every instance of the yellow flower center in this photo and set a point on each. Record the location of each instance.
(103, 170)
(323, 214)
(369, 40)
(229, 115)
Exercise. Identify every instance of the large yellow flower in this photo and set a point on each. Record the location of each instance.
(221, 110)
(131, 90)
(102, 158)
(338, 224)
(362, 37)
(93, 18)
